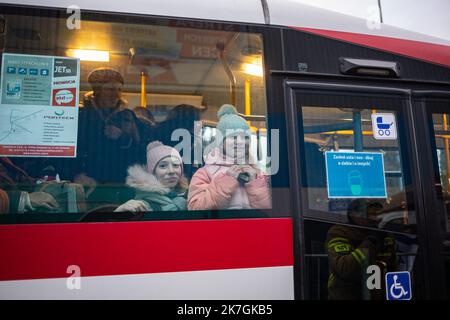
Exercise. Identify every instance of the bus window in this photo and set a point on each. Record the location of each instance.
(356, 194)
(144, 88)
(441, 141)
(439, 122)
(339, 146)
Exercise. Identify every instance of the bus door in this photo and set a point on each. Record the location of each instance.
(358, 215)
(434, 109)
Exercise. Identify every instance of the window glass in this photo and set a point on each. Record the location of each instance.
(340, 261)
(346, 162)
(439, 118)
(441, 137)
(147, 96)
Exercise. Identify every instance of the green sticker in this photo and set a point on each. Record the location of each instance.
(342, 248)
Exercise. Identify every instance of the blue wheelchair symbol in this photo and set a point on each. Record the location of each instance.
(383, 128)
(398, 286)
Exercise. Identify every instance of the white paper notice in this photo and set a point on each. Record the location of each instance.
(39, 106)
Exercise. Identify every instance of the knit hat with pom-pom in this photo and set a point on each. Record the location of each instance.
(230, 122)
(156, 151)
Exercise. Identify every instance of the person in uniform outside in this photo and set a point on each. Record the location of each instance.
(352, 249)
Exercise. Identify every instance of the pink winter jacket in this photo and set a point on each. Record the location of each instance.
(211, 188)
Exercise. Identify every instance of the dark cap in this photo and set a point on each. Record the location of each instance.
(100, 76)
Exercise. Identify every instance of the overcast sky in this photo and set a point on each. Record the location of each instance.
(430, 17)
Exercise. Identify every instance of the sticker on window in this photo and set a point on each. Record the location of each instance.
(384, 126)
(39, 105)
(355, 175)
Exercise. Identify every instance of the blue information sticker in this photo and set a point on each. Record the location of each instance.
(398, 286)
(355, 175)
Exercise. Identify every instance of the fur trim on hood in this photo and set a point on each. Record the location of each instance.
(140, 179)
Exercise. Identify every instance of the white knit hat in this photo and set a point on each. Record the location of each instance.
(156, 151)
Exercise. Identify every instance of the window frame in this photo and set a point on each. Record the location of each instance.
(406, 139)
(272, 59)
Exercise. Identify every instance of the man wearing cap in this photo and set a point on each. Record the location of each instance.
(108, 136)
(106, 102)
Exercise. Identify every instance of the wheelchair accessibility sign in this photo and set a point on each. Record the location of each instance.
(384, 126)
(398, 286)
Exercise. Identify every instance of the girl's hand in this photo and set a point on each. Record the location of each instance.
(234, 171)
(133, 206)
(250, 171)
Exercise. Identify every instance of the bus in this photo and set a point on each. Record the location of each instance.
(346, 119)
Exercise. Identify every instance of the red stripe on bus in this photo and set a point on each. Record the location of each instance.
(119, 248)
(431, 52)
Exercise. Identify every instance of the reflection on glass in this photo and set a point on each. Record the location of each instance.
(138, 83)
(352, 250)
(442, 136)
(346, 130)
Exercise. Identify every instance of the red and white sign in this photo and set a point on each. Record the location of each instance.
(65, 97)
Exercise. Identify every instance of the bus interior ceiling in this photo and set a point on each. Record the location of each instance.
(179, 68)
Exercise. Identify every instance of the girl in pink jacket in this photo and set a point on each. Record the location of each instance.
(229, 180)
